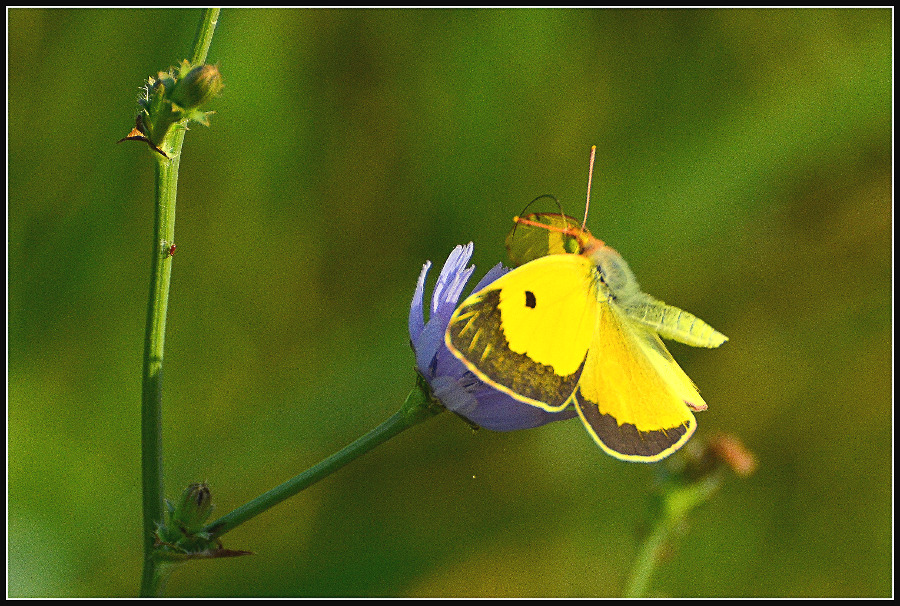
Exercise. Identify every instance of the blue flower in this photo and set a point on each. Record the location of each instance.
(451, 382)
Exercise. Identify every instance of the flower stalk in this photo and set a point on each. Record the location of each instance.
(689, 480)
(151, 409)
(154, 574)
(418, 407)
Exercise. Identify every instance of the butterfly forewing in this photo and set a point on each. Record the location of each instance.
(528, 333)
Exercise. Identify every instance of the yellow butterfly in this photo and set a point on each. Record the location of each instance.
(571, 327)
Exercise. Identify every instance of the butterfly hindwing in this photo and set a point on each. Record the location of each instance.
(632, 395)
(528, 333)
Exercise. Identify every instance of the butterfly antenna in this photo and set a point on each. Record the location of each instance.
(587, 203)
(551, 196)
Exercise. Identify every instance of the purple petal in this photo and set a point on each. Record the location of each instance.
(454, 264)
(493, 273)
(498, 411)
(416, 311)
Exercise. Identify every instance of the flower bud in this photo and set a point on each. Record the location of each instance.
(172, 99)
(194, 508)
(200, 85)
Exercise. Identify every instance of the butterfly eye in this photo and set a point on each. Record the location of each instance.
(572, 245)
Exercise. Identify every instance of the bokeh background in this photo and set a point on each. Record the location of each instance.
(743, 169)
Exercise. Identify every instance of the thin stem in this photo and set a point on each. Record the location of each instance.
(646, 561)
(678, 502)
(151, 411)
(205, 31)
(161, 272)
(416, 409)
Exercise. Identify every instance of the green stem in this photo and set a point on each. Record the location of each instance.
(678, 502)
(647, 559)
(417, 408)
(151, 410)
(161, 272)
(205, 32)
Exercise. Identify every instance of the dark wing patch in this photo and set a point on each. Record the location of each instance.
(626, 441)
(476, 333)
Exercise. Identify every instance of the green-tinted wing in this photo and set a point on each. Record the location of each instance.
(526, 243)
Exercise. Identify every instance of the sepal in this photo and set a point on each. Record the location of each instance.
(172, 100)
(181, 537)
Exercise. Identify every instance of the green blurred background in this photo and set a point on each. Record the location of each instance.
(743, 169)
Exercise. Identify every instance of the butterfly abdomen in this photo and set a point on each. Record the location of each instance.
(674, 323)
(670, 322)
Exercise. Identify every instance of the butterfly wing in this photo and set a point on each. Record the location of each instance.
(529, 332)
(633, 398)
(526, 242)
